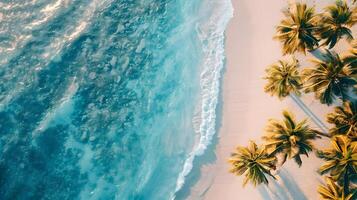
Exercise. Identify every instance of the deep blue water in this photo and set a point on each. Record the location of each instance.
(105, 99)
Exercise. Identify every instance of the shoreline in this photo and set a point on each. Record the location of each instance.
(211, 32)
(246, 108)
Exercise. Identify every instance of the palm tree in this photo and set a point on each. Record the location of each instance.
(290, 138)
(332, 191)
(297, 31)
(341, 160)
(344, 119)
(329, 78)
(336, 23)
(284, 80)
(254, 162)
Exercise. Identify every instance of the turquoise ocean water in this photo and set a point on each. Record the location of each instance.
(106, 99)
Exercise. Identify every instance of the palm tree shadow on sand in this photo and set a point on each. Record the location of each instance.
(284, 189)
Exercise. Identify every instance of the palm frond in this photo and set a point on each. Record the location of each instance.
(350, 59)
(283, 78)
(332, 191)
(336, 22)
(297, 31)
(289, 138)
(340, 159)
(329, 79)
(253, 162)
(344, 119)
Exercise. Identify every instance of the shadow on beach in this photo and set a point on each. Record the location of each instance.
(283, 189)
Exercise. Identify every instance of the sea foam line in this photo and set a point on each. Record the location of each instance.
(212, 38)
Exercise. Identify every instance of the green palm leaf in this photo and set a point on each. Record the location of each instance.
(350, 59)
(329, 79)
(341, 159)
(297, 31)
(254, 162)
(336, 22)
(289, 138)
(344, 119)
(332, 191)
(283, 78)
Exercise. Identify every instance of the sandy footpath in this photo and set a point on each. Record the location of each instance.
(246, 108)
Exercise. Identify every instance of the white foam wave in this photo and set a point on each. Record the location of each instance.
(211, 33)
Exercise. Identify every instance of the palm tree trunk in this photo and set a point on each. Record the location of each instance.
(311, 115)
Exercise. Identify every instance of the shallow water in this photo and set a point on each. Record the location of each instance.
(106, 99)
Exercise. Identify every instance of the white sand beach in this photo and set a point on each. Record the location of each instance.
(250, 48)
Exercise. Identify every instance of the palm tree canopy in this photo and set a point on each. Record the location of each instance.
(336, 22)
(329, 78)
(344, 119)
(289, 137)
(332, 191)
(283, 78)
(254, 162)
(341, 159)
(296, 31)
